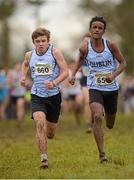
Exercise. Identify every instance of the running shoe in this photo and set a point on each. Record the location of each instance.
(103, 157)
(44, 161)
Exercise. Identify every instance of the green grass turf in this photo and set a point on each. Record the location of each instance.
(72, 153)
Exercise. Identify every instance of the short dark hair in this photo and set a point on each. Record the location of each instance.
(41, 32)
(98, 18)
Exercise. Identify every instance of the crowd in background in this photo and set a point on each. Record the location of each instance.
(128, 94)
(14, 98)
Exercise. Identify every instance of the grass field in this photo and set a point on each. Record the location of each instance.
(72, 154)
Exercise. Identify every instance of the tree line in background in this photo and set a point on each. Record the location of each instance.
(7, 9)
(119, 16)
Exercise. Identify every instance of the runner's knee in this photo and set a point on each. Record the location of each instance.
(110, 126)
(97, 117)
(40, 126)
(50, 135)
(110, 120)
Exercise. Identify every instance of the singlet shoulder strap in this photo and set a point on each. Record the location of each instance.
(30, 55)
(108, 46)
(52, 47)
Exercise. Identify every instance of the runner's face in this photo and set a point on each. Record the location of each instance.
(97, 29)
(41, 44)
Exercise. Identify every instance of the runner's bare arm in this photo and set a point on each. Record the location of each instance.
(60, 60)
(119, 57)
(25, 67)
(82, 54)
(121, 60)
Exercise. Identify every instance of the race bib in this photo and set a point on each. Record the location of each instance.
(43, 69)
(100, 79)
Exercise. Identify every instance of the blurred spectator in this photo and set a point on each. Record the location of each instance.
(128, 94)
(16, 93)
(72, 95)
(28, 94)
(85, 93)
(3, 93)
